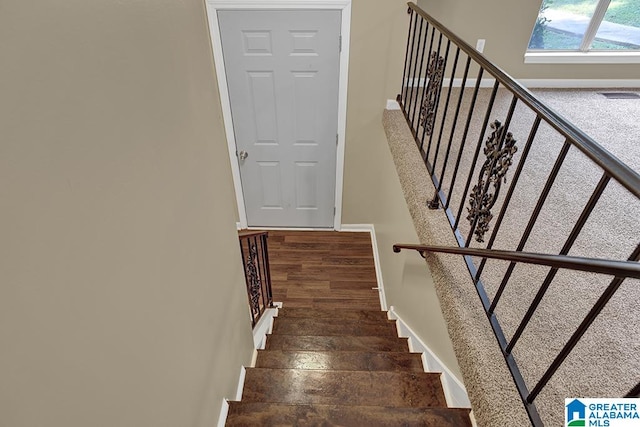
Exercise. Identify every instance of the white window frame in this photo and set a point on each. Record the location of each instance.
(583, 55)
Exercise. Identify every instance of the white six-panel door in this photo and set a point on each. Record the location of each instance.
(282, 69)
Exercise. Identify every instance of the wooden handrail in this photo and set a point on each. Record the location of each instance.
(593, 265)
(626, 176)
(249, 233)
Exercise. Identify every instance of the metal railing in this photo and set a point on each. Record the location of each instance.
(255, 259)
(592, 265)
(441, 70)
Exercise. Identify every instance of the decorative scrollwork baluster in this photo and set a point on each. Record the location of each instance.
(434, 78)
(493, 173)
(253, 278)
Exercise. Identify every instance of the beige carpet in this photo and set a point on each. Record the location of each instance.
(606, 361)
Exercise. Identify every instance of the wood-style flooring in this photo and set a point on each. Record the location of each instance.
(323, 269)
(333, 358)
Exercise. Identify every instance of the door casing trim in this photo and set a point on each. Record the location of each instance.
(214, 30)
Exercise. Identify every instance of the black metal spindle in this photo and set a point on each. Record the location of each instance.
(260, 268)
(416, 105)
(485, 188)
(255, 262)
(634, 392)
(454, 124)
(416, 72)
(265, 281)
(446, 107)
(437, 104)
(474, 97)
(487, 116)
(575, 232)
(436, 59)
(407, 105)
(507, 199)
(267, 269)
(244, 268)
(532, 219)
(415, 84)
(421, 109)
(427, 80)
(403, 90)
(584, 325)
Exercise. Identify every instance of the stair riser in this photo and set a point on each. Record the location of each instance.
(332, 314)
(258, 414)
(301, 326)
(394, 389)
(337, 343)
(340, 360)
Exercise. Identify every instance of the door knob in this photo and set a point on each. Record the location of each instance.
(243, 155)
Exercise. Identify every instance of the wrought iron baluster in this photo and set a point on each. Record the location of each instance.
(575, 232)
(407, 104)
(634, 392)
(500, 148)
(415, 84)
(267, 267)
(435, 75)
(418, 95)
(244, 265)
(403, 92)
(255, 262)
(429, 75)
(446, 107)
(435, 202)
(438, 90)
(253, 277)
(584, 326)
(477, 152)
(261, 266)
(474, 98)
(507, 199)
(532, 219)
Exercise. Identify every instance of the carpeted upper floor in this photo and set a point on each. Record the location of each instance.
(605, 362)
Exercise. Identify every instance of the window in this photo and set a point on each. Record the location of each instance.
(587, 26)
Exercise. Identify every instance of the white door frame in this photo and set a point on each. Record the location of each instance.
(345, 7)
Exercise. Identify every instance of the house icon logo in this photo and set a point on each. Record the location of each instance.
(576, 414)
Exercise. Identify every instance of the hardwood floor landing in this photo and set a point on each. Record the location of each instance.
(323, 269)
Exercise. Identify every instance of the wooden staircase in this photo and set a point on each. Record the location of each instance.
(329, 367)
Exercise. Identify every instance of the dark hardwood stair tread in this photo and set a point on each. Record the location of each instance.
(337, 343)
(334, 358)
(396, 389)
(271, 414)
(340, 360)
(320, 313)
(307, 326)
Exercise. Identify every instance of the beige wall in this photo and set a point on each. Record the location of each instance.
(506, 26)
(372, 192)
(121, 295)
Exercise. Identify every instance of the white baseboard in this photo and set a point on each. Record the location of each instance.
(243, 373)
(454, 390)
(224, 411)
(264, 327)
(392, 104)
(369, 228)
(291, 228)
